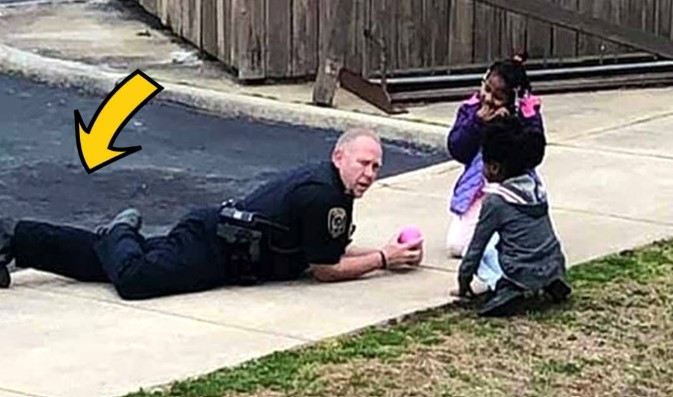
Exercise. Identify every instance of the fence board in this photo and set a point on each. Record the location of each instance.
(224, 31)
(209, 26)
(436, 22)
(162, 11)
(663, 18)
(304, 37)
(278, 38)
(564, 41)
(461, 41)
(628, 13)
(174, 16)
(410, 41)
(553, 13)
(503, 48)
(587, 44)
(354, 51)
(638, 14)
(539, 39)
(611, 12)
(382, 12)
(649, 15)
(150, 6)
(250, 31)
(514, 34)
(235, 45)
(326, 11)
(487, 33)
(602, 9)
(363, 42)
(191, 21)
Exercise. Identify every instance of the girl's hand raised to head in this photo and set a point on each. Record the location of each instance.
(486, 113)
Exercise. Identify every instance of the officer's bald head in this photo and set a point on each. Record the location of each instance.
(358, 156)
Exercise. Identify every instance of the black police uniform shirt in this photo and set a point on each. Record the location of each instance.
(311, 201)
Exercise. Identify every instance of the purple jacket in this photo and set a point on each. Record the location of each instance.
(463, 145)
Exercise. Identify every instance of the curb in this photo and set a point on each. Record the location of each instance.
(36, 3)
(99, 81)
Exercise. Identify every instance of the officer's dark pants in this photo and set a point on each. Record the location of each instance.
(186, 260)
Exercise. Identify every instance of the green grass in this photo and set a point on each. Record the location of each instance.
(614, 337)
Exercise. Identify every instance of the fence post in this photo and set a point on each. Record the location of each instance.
(335, 45)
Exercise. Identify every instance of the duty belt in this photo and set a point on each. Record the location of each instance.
(243, 234)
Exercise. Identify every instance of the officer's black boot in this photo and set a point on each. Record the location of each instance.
(559, 290)
(507, 297)
(130, 217)
(6, 250)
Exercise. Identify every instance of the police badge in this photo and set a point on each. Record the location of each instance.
(336, 222)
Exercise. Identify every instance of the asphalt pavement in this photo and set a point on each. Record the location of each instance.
(188, 158)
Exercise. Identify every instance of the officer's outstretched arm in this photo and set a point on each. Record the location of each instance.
(348, 268)
(352, 250)
(357, 263)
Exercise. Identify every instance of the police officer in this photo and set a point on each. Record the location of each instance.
(301, 221)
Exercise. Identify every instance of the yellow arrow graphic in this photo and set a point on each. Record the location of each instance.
(95, 142)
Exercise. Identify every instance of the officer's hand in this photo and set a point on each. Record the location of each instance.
(403, 254)
(419, 248)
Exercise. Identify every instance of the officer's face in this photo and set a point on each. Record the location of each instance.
(359, 162)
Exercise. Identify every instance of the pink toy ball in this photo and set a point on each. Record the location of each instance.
(409, 234)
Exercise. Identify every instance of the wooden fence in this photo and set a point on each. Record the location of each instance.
(261, 39)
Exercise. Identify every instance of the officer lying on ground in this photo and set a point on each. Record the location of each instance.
(300, 221)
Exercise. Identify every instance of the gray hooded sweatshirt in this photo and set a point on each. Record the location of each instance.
(529, 252)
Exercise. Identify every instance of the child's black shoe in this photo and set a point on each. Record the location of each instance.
(506, 299)
(559, 290)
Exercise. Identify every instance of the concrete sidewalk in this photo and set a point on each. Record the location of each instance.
(607, 172)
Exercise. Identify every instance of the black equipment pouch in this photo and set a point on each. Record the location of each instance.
(243, 235)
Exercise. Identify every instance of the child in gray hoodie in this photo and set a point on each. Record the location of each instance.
(527, 256)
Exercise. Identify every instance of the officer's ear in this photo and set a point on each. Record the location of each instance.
(337, 155)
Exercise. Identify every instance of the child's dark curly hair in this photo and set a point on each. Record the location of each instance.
(517, 148)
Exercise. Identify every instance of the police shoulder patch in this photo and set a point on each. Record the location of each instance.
(337, 221)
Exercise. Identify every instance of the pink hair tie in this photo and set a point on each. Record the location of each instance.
(528, 105)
